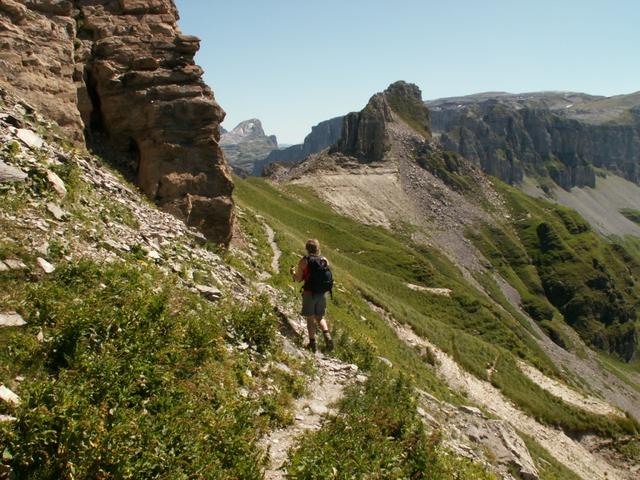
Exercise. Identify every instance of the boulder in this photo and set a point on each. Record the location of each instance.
(45, 266)
(9, 173)
(30, 138)
(11, 319)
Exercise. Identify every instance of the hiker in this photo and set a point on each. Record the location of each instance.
(313, 270)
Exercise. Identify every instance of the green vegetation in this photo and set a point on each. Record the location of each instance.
(563, 270)
(631, 214)
(132, 378)
(373, 266)
(445, 165)
(377, 434)
(411, 110)
(548, 467)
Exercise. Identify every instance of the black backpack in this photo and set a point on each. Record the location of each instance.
(320, 278)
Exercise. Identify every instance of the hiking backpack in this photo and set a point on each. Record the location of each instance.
(320, 278)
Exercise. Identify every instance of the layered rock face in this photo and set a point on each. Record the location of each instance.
(246, 144)
(37, 58)
(322, 135)
(509, 138)
(365, 134)
(122, 69)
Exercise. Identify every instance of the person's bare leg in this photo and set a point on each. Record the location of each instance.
(323, 325)
(325, 332)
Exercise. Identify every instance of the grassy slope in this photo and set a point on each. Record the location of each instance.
(565, 271)
(377, 264)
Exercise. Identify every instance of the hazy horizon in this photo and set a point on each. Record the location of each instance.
(294, 65)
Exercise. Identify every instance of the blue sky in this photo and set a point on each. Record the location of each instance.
(293, 64)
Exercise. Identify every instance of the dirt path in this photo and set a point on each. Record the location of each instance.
(568, 395)
(309, 411)
(568, 452)
(277, 253)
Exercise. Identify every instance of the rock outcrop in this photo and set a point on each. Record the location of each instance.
(365, 134)
(247, 144)
(322, 135)
(508, 136)
(121, 70)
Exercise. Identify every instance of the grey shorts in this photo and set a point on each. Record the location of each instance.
(314, 304)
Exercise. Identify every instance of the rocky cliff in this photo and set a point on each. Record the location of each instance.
(563, 136)
(246, 144)
(120, 72)
(322, 135)
(365, 134)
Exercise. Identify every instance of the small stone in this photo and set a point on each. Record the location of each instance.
(11, 319)
(211, 293)
(8, 396)
(57, 183)
(14, 264)
(154, 255)
(40, 336)
(45, 266)
(43, 248)
(386, 361)
(9, 173)
(7, 419)
(56, 211)
(471, 410)
(282, 367)
(20, 378)
(3, 267)
(30, 138)
(318, 408)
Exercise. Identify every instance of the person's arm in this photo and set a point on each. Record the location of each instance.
(298, 273)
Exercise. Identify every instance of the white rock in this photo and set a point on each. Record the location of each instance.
(471, 410)
(212, 293)
(8, 396)
(318, 408)
(3, 267)
(11, 319)
(7, 418)
(154, 255)
(56, 211)
(30, 138)
(57, 183)
(15, 264)
(43, 248)
(9, 173)
(44, 265)
(386, 361)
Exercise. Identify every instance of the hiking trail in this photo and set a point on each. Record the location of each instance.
(309, 411)
(277, 253)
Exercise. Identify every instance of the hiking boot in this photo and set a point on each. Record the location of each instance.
(328, 341)
(312, 346)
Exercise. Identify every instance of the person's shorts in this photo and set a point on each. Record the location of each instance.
(314, 304)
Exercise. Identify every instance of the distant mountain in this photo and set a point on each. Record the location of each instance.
(562, 135)
(322, 136)
(246, 144)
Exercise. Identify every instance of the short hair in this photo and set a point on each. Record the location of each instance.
(312, 246)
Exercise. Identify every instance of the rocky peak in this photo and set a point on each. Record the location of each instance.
(244, 130)
(365, 134)
(247, 144)
(122, 74)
